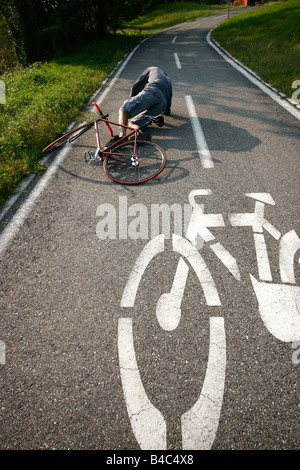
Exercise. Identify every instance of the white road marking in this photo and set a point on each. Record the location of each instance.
(289, 245)
(279, 308)
(120, 70)
(148, 424)
(193, 27)
(203, 150)
(186, 249)
(279, 304)
(174, 39)
(200, 423)
(263, 263)
(262, 197)
(153, 247)
(18, 219)
(107, 90)
(168, 307)
(178, 64)
(227, 259)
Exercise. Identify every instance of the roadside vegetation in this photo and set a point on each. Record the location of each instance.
(43, 97)
(267, 40)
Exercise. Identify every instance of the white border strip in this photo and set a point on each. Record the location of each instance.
(257, 81)
(18, 219)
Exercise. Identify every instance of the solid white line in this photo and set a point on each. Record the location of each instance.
(203, 150)
(17, 221)
(242, 69)
(178, 64)
(10, 202)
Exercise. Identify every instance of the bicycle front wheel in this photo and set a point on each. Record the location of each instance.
(122, 167)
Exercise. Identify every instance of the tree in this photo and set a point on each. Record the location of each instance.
(43, 28)
(23, 28)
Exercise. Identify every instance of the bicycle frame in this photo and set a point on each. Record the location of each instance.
(103, 153)
(122, 150)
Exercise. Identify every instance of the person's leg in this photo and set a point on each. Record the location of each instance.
(123, 120)
(134, 106)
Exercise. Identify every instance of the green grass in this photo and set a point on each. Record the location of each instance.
(170, 14)
(267, 40)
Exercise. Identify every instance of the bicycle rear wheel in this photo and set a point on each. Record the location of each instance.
(68, 137)
(119, 165)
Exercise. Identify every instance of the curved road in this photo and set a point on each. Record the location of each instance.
(116, 335)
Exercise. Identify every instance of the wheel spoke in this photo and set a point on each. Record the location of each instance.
(121, 166)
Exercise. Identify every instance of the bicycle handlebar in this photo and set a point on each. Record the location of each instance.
(104, 116)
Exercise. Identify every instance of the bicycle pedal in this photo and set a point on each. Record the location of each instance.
(91, 159)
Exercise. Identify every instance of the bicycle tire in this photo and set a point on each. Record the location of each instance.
(119, 168)
(68, 137)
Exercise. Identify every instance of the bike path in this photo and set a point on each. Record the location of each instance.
(63, 323)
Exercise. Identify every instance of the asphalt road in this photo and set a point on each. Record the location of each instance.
(88, 360)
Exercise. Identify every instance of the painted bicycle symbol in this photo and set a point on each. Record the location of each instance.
(278, 306)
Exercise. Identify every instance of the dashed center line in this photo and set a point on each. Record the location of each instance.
(204, 153)
(178, 64)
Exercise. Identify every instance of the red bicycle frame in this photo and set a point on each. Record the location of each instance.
(106, 150)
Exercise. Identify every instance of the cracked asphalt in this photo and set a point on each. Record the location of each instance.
(61, 384)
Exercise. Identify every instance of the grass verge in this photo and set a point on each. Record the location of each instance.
(267, 40)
